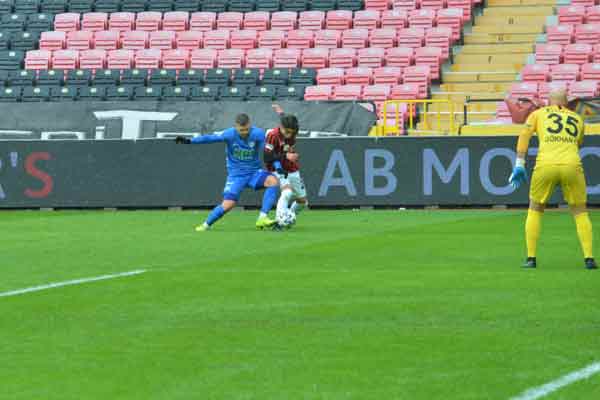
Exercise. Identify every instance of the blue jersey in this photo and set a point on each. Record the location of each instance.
(243, 155)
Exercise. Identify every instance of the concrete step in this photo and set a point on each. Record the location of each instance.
(476, 87)
(517, 21)
(500, 38)
(515, 68)
(461, 97)
(498, 76)
(489, 49)
(518, 11)
(491, 58)
(459, 107)
(500, 27)
(505, 3)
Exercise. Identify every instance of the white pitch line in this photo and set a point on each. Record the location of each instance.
(69, 283)
(541, 391)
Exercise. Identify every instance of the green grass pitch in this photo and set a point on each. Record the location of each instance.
(348, 305)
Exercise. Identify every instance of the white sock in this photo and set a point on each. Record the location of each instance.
(297, 207)
(283, 203)
(262, 215)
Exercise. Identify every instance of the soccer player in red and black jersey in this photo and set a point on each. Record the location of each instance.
(282, 159)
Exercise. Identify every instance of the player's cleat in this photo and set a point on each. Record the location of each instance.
(590, 263)
(530, 263)
(265, 222)
(202, 228)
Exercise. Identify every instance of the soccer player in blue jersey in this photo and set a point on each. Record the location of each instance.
(244, 143)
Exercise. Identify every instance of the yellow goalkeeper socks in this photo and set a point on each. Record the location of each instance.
(533, 225)
(584, 231)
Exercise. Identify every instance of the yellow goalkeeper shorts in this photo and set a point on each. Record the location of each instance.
(570, 178)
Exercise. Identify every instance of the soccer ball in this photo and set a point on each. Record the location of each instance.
(286, 218)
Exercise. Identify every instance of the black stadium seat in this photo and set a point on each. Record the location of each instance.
(162, 77)
(190, 77)
(147, 93)
(276, 77)
(302, 76)
(263, 93)
(21, 78)
(160, 5)
(323, 5)
(13, 22)
(242, 5)
(233, 93)
(66, 93)
(205, 93)
(217, 6)
(268, 5)
(289, 93)
(79, 77)
(217, 77)
(186, 5)
(176, 93)
(120, 93)
(40, 22)
(54, 6)
(32, 94)
(246, 77)
(5, 40)
(27, 6)
(81, 6)
(6, 6)
(53, 77)
(134, 5)
(108, 6)
(134, 77)
(106, 77)
(294, 5)
(24, 40)
(11, 60)
(10, 94)
(92, 93)
(352, 5)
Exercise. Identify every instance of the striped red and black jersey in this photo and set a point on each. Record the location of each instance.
(277, 144)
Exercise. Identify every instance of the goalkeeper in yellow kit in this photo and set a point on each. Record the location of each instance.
(560, 132)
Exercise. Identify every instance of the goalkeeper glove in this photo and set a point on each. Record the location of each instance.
(519, 174)
(182, 140)
(279, 169)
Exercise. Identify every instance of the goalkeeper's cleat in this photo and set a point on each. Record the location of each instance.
(531, 262)
(202, 228)
(265, 222)
(590, 263)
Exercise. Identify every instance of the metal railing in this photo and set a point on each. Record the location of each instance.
(413, 116)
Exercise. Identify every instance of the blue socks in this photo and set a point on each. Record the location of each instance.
(269, 198)
(215, 215)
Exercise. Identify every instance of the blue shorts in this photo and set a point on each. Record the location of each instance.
(235, 185)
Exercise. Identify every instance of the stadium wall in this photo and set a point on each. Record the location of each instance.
(458, 171)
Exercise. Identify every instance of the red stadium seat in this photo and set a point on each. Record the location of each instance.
(355, 38)
(377, 93)
(419, 75)
(440, 37)
(53, 40)
(65, 59)
(92, 59)
(120, 59)
(535, 72)
(411, 37)
(399, 57)
(176, 59)
(135, 40)
(230, 20)
(328, 38)
(203, 58)
(148, 21)
(67, 22)
(431, 56)
(163, 40)
(286, 58)
(408, 5)
(94, 21)
(367, 19)
(300, 39)
(121, 21)
(387, 75)
(585, 3)
(583, 89)
(524, 90)
(259, 58)
(218, 39)
(548, 53)
(315, 58)
(321, 92)
(465, 6)
(38, 59)
(176, 21)
(564, 72)
(189, 40)
(377, 4)
(423, 18)
(273, 39)
(342, 58)
(578, 53)
(148, 58)
(408, 91)
(434, 4)
(230, 58)
(106, 40)
(560, 34)
(80, 40)
(246, 39)
(372, 57)
(311, 20)
(203, 21)
(384, 38)
(590, 71)
(347, 92)
(396, 19)
(596, 53)
(451, 18)
(284, 20)
(592, 15)
(257, 20)
(359, 76)
(587, 33)
(339, 19)
(330, 76)
(572, 15)
(546, 87)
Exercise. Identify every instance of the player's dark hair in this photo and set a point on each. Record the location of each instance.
(289, 121)
(242, 119)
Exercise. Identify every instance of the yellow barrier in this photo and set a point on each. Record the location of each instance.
(412, 105)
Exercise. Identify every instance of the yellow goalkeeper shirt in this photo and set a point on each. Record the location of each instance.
(560, 133)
